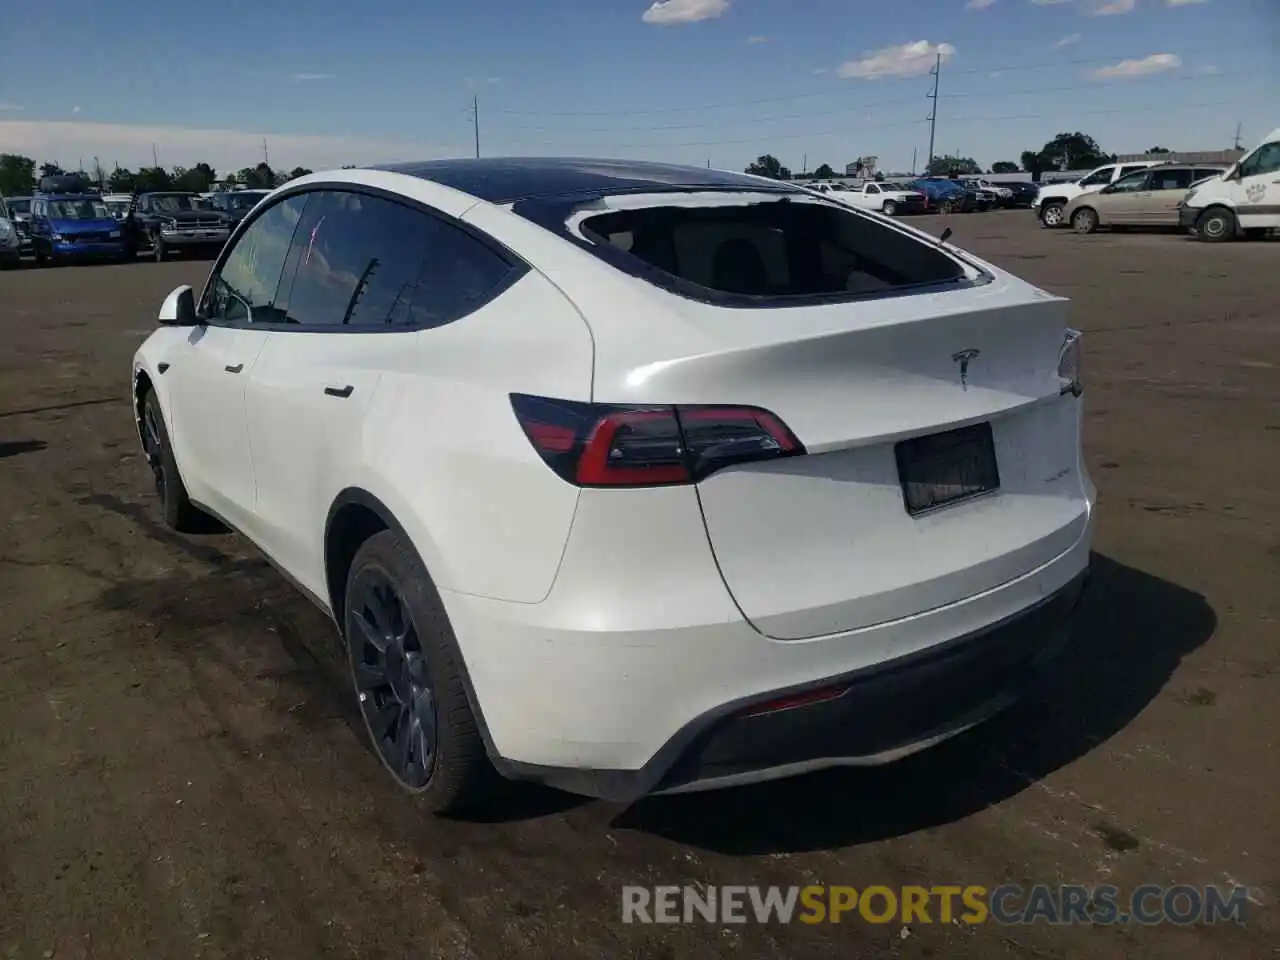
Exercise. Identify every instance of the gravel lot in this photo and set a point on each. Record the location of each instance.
(182, 773)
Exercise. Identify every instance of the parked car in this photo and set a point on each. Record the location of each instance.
(10, 251)
(118, 204)
(234, 204)
(945, 196)
(20, 214)
(1002, 195)
(487, 412)
(1244, 200)
(1052, 199)
(1024, 192)
(169, 222)
(1148, 198)
(881, 197)
(67, 227)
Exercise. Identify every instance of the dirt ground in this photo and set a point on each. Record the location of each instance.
(182, 773)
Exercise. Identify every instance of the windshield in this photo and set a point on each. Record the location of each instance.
(117, 208)
(176, 202)
(78, 210)
(19, 206)
(243, 201)
(894, 185)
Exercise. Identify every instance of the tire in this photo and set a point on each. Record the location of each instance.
(1084, 220)
(157, 250)
(1216, 225)
(178, 511)
(1051, 213)
(889, 208)
(408, 680)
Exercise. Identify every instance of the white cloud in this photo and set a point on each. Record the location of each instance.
(1066, 41)
(14, 107)
(1209, 70)
(978, 4)
(1182, 3)
(904, 60)
(1111, 8)
(130, 146)
(1049, 3)
(666, 12)
(1156, 63)
(754, 40)
(75, 109)
(307, 77)
(474, 82)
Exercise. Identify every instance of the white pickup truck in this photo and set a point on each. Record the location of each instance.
(1054, 197)
(886, 198)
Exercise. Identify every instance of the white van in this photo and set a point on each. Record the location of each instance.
(1243, 201)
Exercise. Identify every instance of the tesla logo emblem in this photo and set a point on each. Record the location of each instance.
(963, 358)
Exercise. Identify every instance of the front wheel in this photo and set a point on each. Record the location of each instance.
(158, 250)
(1216, 225)
(408, 679)
(178, 511)
(889, 208)
(1051, 214)
(1084, 220)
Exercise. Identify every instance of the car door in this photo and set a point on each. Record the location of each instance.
(358, 272)
(1118, 204)
(1255, 188)
(1158, 206)
(206, 385)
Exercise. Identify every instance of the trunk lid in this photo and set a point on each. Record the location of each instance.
(824, 543)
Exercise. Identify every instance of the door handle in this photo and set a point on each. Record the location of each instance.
(234, 369)
(339, 391)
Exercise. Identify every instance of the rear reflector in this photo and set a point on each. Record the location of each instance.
(613, 445)
(805, 699)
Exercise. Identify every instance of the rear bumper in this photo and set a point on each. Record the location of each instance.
(635, 674)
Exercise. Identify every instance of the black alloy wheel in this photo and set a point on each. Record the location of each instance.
(392, 680)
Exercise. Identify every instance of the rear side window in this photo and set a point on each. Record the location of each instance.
(777, 249)
(359, 260)
(1133, 168)
(1170, 179)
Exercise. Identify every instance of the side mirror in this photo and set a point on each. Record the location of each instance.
(179, 308)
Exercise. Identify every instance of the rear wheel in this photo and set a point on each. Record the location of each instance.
(1051, 213)
(1216, 225)
(1084, 220)
(178, 511)
(408, 681)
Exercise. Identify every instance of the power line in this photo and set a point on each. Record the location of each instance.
(832, 112)
(871, 127)
(825, 92)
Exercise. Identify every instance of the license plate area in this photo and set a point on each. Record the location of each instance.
(942, 469)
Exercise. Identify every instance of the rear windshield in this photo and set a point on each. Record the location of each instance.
(766, 251)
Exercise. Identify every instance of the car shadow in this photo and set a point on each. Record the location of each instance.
(12, 448)
(1129, 635)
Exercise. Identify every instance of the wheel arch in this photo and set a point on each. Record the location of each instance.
(354, 516)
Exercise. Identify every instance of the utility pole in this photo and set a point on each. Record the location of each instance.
(475, 121)
(155, 157)
(933, 114)
(914, 151)
(1239, 129)
(804, 164)
(266, 157)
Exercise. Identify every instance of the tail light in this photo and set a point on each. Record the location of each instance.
(617, 445)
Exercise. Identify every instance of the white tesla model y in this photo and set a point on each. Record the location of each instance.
(631, 478)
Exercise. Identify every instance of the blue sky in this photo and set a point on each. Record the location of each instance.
(696, 81)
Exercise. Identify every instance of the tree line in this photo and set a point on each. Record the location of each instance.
(19, 174)
(1066, 151)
